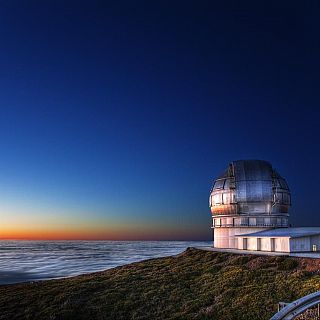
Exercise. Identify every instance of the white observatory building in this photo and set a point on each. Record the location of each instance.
(250, 210)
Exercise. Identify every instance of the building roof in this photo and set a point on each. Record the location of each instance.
(285, 232)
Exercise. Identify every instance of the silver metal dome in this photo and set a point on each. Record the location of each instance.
(250, 187)
(250, 196)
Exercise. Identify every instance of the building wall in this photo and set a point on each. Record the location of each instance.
(315, 240)
(265, 244)
(300, 244)
(282, 244)
(305, 244)
(252, 244)
(231, 238)
(269, 244)
(225, 237)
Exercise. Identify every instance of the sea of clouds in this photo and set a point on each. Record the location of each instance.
(22, 261)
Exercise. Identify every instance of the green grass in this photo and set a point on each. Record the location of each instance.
(194, 285)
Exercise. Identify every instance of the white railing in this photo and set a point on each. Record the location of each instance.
(294, 309)
(250, 225)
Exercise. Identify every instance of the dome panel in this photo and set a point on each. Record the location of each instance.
(252, 170)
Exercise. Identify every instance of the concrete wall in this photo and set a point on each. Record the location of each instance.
(265, 244)
(242, 244)
(228, 238)
(280, 244)
(315, 240)
(305, 244)
(301, 244)
(252, 244)
(225, 237)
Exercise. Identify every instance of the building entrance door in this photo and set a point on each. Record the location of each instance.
(272, 244)
(258, 244)
(245, 243)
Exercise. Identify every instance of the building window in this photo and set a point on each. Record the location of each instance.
(217, 198)
(219, 184)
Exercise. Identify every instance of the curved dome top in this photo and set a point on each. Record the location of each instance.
(250, 186)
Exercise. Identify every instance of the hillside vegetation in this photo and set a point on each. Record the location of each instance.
(193, 285)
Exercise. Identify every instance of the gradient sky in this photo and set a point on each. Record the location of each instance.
(115, 116)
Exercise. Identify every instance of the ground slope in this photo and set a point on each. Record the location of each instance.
(194, 285)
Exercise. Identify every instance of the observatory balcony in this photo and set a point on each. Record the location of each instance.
(255, 221)
(270, 225)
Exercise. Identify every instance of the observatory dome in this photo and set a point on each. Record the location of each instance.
(249, 196)
(250, 187)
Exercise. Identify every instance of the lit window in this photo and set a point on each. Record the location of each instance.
(217, 198)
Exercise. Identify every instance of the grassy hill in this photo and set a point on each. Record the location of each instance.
(193, 285)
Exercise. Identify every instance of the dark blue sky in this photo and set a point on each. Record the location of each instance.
(120, 114)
